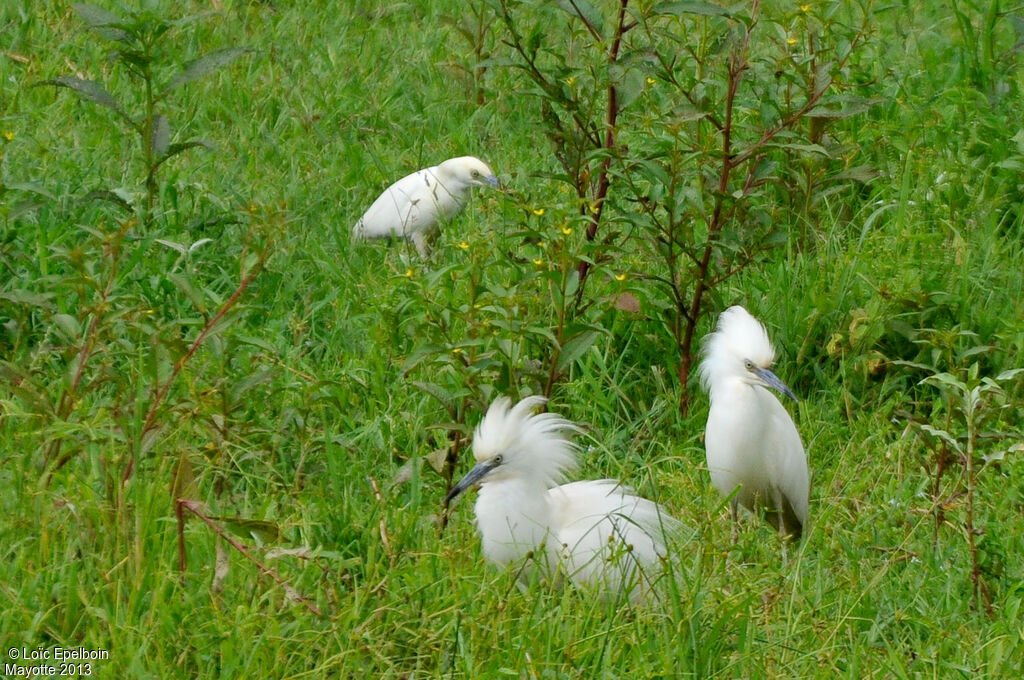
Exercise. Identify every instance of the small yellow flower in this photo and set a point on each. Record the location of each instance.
(538, 261)
(456, 350)
(538, 211)
(593, 208)
(790, 41)
(8, 136)
(651, 81)
(571, 80)
(542, 244)
(408, 273)
(464, 245)
(620, 277)
(566, 229)
(805, 8)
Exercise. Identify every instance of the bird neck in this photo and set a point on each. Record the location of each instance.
(448, 183)
(514, 517)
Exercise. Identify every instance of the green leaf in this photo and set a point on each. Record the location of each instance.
(585, 11)
(29, 298)
(843, 108)
(262, 530)
(702, 8)
(91, 91)
(103, 22)
(181, 248)
(204, 65)
(945, 379)
(943, 435)
(575, 347)
(1009, 374)
(68, 325)
(32, 187)
(191, 292)
(160, 140)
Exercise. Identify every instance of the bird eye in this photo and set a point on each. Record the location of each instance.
(748, 364)
(475, 173)
(497, 459)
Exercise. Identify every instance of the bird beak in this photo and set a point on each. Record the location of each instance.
(478, 472)
(492, 180)
(772, 381)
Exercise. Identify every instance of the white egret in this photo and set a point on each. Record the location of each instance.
(413, 206)
(754, 451)
(597, 533)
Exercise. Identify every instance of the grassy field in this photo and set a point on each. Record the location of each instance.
(203, 328)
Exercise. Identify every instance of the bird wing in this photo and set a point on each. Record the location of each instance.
(405, 207)
(789, 462)
(606, 534)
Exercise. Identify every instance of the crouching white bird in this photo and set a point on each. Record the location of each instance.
(754, 451)
(596, 533)
(413, 206)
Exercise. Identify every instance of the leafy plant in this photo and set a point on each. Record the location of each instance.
(137, 39)
(689, 126)
(494, 323)
(974, 416)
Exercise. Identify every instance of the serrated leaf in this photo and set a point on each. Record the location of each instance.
(160, 140)
(203, 65)
(91, 91)
(702, 8)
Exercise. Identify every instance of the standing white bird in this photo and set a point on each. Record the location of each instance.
(413, 206)
(754, 451)
(596, 533)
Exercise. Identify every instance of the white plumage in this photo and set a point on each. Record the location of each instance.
(751, 441)
(413, 206)
(597, 533)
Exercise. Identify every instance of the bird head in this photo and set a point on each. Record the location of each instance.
(469, 171)
(740, 349)
(515, 442)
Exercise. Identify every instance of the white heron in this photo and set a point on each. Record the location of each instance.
(598, 534)
(413, 206)
(754, 451)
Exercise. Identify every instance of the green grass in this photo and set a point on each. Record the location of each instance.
(297, 411)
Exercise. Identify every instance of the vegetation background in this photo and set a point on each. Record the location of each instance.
(183, 316)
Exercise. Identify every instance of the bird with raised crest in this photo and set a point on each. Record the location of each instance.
(754, 452)
(598, 534)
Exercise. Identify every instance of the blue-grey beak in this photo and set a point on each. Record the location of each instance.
(478, 472)
(492, 180)
(772, 380)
